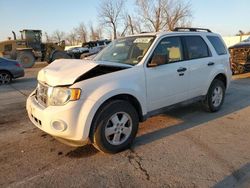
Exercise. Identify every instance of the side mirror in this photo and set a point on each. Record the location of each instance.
(158, 60)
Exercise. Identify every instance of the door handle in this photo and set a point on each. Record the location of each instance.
(181, 69)
(210, 64)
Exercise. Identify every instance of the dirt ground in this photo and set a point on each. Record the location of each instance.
(185, 147)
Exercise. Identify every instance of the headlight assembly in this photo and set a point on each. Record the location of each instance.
(61, 95)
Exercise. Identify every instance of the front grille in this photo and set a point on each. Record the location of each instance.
(42, 94)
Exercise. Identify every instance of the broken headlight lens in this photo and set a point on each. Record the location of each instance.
(61, 95)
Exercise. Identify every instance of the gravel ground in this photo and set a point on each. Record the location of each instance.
(185, 147)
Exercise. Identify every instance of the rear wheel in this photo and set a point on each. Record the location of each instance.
(215, 96)
(5, 77)
(115, 127)
(59, 55)
(26, 58)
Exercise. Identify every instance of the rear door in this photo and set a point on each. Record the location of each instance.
(167, 84)
(201, 64)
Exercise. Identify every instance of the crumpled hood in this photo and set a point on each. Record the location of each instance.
(64, 71)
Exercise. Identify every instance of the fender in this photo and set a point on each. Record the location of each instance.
(219, 70)
(97, 104)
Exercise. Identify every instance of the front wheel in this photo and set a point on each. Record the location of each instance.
(215, 96)
(115, 127)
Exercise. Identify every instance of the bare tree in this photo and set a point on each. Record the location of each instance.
(110, 14)
(47, 37)
(240, 32)
(58, 36)
(164, 14)
(92, 31)
(95, 32)
(82, 32)
(72, 38)
(99, 32)
(130, 25)
(152, 12)
(178, 14)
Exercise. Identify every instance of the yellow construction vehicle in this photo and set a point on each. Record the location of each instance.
(30, 48)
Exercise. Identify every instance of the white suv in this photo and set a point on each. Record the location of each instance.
(103, 100)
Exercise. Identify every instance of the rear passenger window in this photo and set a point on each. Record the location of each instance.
(196, 47)
(218, 45)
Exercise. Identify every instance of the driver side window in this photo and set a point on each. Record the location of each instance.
(169, 50)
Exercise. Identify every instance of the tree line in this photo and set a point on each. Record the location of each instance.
(114, 20)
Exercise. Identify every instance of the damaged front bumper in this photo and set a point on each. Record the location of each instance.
(62, 122)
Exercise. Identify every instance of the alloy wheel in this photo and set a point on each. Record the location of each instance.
(5, 78)
(118, 128)
(217, 96)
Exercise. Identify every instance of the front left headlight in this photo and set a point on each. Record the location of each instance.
(61, 95)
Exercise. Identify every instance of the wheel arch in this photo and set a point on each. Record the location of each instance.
(129, 98)
(125, 97)
(3, 70)
(219, 75)
(223, 78)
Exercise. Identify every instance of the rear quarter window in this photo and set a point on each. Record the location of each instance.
(218, 45)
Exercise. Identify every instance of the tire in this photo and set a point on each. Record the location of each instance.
(5, 77)
(215, 96)
(59, 55)
(114, 127)
(26, 58)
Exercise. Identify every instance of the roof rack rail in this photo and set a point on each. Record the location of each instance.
(191, 29)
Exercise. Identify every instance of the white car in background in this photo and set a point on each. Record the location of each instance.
(102, 101)
(88, 49)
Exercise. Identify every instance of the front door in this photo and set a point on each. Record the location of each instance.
(167, 83)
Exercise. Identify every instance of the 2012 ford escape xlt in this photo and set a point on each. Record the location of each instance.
(102, 101)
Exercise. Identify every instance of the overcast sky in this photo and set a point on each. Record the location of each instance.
(224, 17)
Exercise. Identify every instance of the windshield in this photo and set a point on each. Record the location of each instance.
(129, 50)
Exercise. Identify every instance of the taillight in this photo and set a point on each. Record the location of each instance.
(18, 64)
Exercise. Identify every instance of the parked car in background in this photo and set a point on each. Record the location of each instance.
(102, 100)
(10, 69)
(240, 57)
(88, 49)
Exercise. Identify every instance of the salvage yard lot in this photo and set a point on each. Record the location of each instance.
(185, 147)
